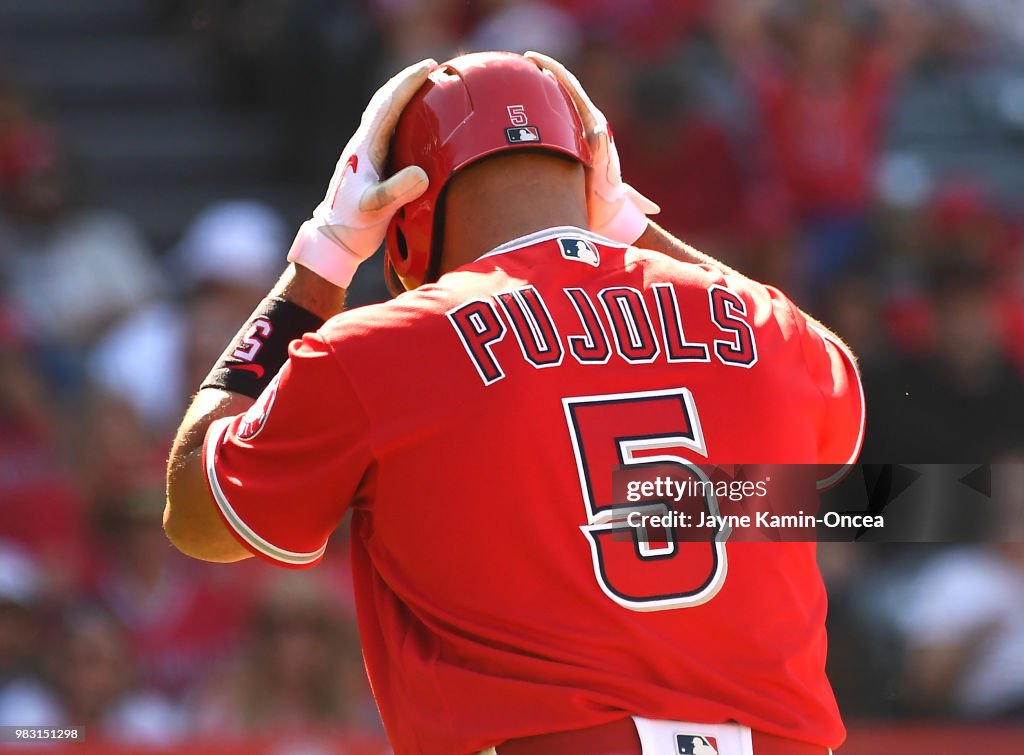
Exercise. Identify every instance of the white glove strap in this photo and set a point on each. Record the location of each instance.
(630, 221)
(316, 248)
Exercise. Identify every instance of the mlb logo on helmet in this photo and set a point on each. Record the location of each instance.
(580, 250)
(695, 744)
(522, 134)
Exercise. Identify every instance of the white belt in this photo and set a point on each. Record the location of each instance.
(688, 738)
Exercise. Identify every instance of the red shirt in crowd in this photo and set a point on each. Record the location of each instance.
(824, 142)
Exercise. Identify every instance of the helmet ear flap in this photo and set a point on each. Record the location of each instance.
(401, 250)
(397, 265)
(391, 279)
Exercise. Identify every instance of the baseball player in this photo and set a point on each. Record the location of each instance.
(474, 425)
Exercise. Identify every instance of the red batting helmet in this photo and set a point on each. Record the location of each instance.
(469, 108)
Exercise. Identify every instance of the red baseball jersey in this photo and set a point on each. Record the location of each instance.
(474, 427)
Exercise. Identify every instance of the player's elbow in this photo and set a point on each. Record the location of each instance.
(181, 536)
(176, 521)
(198, 540)
(191, 522)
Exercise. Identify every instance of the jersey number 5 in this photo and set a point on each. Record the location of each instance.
(625, 437)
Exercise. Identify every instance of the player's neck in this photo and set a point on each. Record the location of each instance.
(507, 197)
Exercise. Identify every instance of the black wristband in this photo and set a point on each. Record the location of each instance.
(258, 351)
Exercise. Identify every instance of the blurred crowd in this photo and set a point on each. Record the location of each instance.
(764, 128)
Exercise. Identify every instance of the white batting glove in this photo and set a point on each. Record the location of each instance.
(350, 224)
(616, 210)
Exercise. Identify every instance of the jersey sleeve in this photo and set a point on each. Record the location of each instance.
(841, 431)
(832, 369)
(284, 473)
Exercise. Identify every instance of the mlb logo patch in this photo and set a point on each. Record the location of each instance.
(696, 744)
(522, 134)
(580, 250)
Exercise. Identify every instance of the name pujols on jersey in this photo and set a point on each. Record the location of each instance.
(617, 322)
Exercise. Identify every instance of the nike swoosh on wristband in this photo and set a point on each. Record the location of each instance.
(256, 369)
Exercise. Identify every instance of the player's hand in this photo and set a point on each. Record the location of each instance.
(350, 224)
(617, 211)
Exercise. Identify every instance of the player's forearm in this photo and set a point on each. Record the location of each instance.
(305, 288)
(297, 285)
(190, 521)
(658, 239)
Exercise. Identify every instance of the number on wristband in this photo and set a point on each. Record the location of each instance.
(253, 339)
